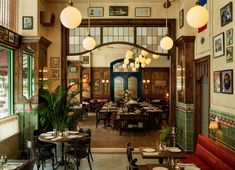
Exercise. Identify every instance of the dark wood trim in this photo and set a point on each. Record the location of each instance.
(202, 67)
(64, 52)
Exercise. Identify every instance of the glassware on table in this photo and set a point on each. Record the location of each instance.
(55, 132)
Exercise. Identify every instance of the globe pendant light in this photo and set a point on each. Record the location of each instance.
(197, 16)
(89, 42)
(166, 42)
(70, 16)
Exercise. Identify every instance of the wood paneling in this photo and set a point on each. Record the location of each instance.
(155, 75)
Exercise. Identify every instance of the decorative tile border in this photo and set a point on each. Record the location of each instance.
(225, 119)
(185, 107)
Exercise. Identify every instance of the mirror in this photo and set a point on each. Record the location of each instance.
(28, 75)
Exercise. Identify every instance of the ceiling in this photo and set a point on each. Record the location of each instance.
(106, 1)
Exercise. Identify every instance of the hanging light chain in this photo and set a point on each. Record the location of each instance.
(70, 3)
(166, 17)
(89, 22)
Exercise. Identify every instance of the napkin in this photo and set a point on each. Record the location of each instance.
(150, 153)
(57, 138)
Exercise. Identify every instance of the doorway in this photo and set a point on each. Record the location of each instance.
(202, 95)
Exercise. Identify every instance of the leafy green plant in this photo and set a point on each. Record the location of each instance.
(164, 135)
(54, 111)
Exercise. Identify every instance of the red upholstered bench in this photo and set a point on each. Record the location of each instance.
(209, 155)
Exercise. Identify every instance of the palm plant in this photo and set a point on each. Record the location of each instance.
(54, 111)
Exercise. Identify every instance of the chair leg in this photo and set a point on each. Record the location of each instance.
(55, 154)
(53, 163)
(90, 154)
(89, 162)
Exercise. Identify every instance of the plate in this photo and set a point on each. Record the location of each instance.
(149, 150)
(74, 136)
(159, 168)
(191, 168)
(175, 150)
(46, 134)
(49, 137)
(51, 132)
(73, 132)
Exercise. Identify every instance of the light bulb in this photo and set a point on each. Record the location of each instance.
(156, 56)
(166, 43)
(137, 66)
(144, 53)
(126, 61)
(70, 17)
(124, 65)
(89, 43)
(148, 60)
(132, 64)
(129, 54)
(143, 65)
(133, 69)
(143, 60)
(197, 16)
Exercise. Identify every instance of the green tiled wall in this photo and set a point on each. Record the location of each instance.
(28, 122)
(226, 132)
(185, 124)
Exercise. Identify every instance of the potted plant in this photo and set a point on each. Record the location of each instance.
(164, 136)
(54, 111)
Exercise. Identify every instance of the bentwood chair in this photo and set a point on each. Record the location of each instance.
(77, 150)
(39, 153)
(50, 146)
(132, 162)
(87, 132)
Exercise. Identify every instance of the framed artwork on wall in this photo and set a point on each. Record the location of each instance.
(55, 74)
(142, 11)
(229, 37)
(229, 54)
(181, 18)
(218, 45)
(55, 62)
(226, 14)
(27, 23)
(118, 10)
(85, 59)
(95, 11)
(73, 69)
(217, 81)
(227, 81)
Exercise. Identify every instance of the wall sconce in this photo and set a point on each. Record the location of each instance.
(146, 81)
(105, 81)
(213, 125)
(167, 95)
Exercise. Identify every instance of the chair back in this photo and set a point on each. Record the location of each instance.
(129, 151)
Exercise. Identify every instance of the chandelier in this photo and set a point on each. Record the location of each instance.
(136, 58)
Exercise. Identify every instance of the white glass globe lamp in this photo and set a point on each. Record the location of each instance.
(166, 43)
(132, 64)
(70, 17)
(89, 43)
(143, 65)
(143, 60)
(197, 16)
(137, 66)
(126, 61)
(144, 53)
(129, 54)
(148, 60)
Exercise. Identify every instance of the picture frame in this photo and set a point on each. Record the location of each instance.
(27, 22)
(227, 81)
(96, 12)
(96, 85)
(142, 11)
(85, 59)
(217, 81)
(229, 54)
(118, 10)
(54, 62)
(73, 69)
(160, 83)
(55, 74)
(11, 37)
(218, 45)
(181, 18)
(229, 37)
(226, 14)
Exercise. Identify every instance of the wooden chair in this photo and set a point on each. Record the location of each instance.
(87, 132)
(39, 153)
(99, 117)
(132, 162)
(77, 150)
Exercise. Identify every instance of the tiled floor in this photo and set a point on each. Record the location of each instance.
(107, 161)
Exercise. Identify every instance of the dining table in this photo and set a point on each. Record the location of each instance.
(61, 137)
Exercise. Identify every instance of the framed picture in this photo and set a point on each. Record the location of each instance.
(96, 85)
(142, 11)
(11, 37)
(181, 18)
(217, 81)
(95, 12)
(229, 37)
(73, 69)
(160, 83)
(55, 74)
(27, 22)
(218, 45)
(118, 10)
(227, 81)
(226, 14)
(229, 54)
(54, 62)
(85, 59)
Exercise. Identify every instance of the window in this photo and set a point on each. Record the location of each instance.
(8, 14)
(6, 82)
